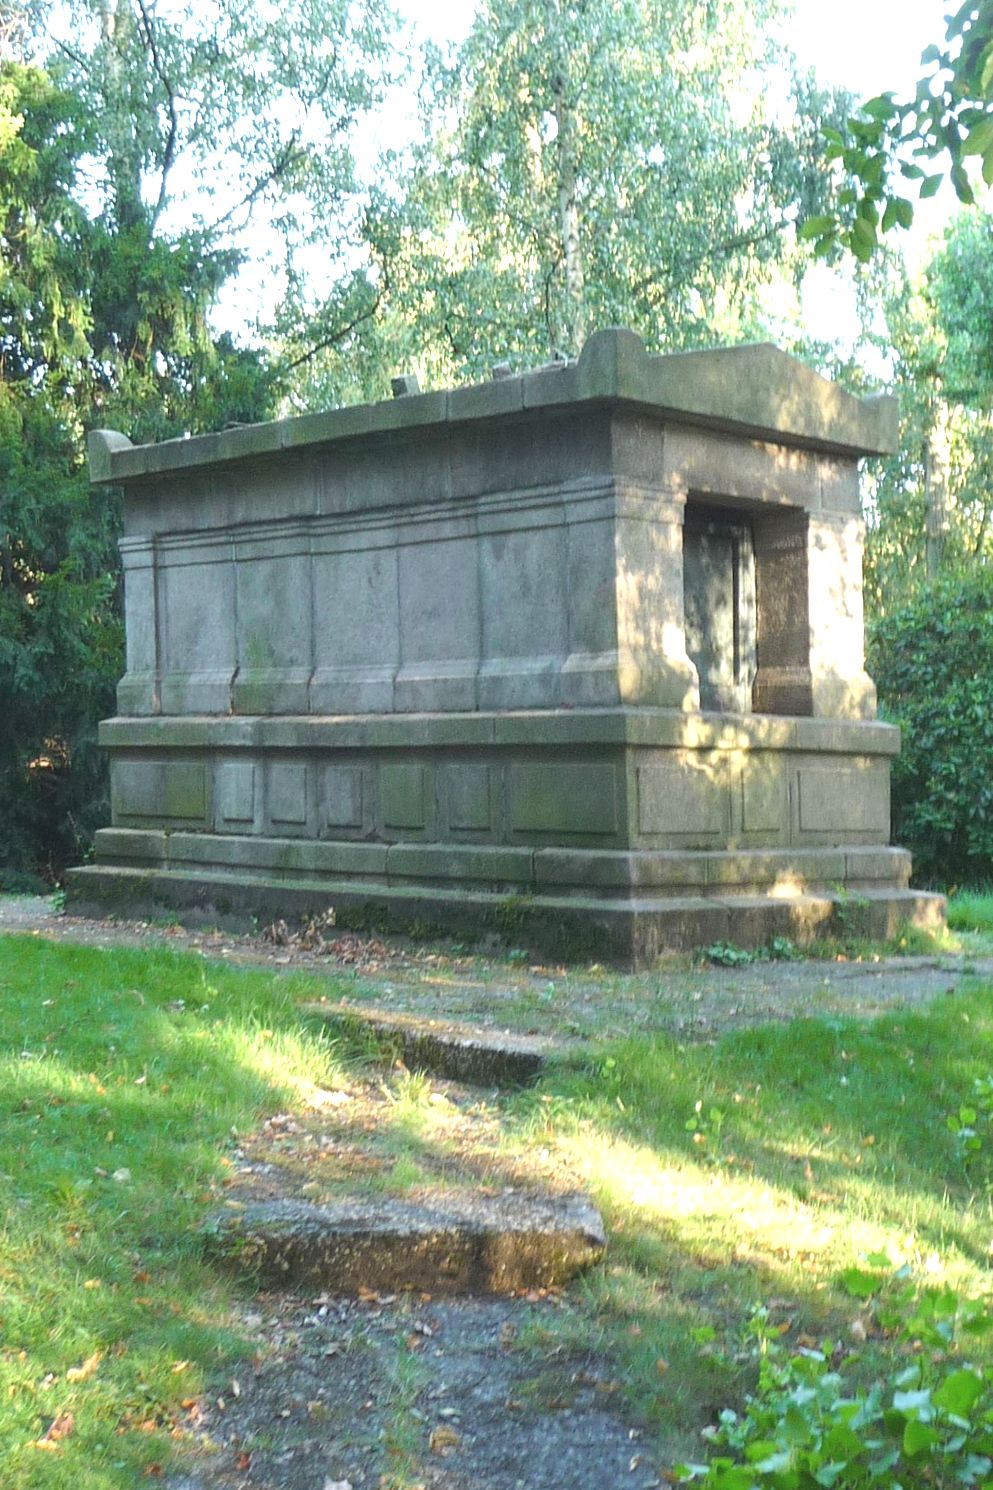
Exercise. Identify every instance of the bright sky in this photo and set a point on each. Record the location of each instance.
(868, 46)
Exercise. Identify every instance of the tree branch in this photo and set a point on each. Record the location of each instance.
(340, 332)
(278, 169)
(69, 51)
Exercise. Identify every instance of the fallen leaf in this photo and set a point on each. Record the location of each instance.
(80, 1373)
(242, 1460)
(443, 1437)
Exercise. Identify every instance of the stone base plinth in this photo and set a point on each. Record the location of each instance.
(626, 931)
(600, 833)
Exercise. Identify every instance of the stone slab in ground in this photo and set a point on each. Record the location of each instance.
(459, 1052)
(454, 1242)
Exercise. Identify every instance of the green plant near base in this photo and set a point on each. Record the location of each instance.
(726, 954)
(705, 1125)
(849, 913)
(929, 1423)
(971, 1123)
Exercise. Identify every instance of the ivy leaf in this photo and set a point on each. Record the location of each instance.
(917, 1405)
(796, 1429)
(816, 227)
(980, 137)
(859, 1284)
(959, 1393)
(917, 1437)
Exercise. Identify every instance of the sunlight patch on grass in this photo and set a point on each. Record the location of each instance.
(122, 1077)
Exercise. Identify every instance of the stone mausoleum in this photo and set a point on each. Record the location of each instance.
(574, 656)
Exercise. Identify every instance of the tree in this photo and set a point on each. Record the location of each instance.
(932, 658)
(59, 636)
(589, 162)
(933, 504)
(891, 151)
(108, 284)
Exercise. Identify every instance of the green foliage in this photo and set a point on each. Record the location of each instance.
(927, 1422)
(122, 1078)
(932, 659)
(582, 166)
(971, 910)
(931, 505)
(970, 1124)
(726, 954)
(106, 305)
(892, 151)
(60, 643)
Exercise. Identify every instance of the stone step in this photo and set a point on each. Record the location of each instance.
(632, 930)
(447, 1243)
(458, 1052)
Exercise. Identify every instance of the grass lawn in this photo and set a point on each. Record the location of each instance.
(757, 1171)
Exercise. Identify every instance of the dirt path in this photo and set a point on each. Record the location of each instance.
(691, 1001)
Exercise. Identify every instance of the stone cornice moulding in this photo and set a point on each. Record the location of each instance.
(755, 390)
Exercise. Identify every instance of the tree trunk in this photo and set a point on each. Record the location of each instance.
(935, 515)
(123, 154)
(572, 254)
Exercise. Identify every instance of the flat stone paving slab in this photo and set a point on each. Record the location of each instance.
(459, 1052)
(458, 1243)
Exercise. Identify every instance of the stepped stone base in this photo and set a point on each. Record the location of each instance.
(451, 1243)
(613, 834)
(631, 932)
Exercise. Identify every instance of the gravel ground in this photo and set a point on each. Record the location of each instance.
(414, 1392)
(690, 1001)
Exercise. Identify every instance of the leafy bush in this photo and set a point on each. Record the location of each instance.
(928, 1423)
(60, 647)
(932, 660)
